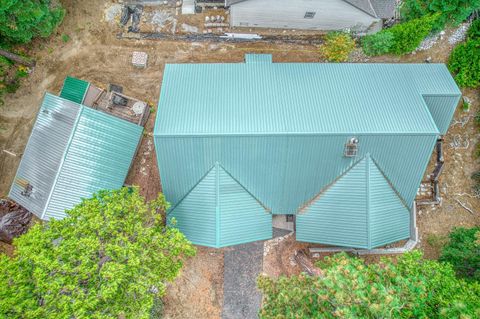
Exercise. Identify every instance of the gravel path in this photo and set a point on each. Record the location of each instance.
(242, 265)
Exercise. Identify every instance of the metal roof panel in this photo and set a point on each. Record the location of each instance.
(298, 98)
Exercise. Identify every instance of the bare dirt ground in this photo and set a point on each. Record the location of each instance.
(198, 291)
(95, 54)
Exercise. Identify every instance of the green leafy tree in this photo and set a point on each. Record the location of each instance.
(110, 258)
(450, 11)
(412, 287)
(463, 252)
(22, 20)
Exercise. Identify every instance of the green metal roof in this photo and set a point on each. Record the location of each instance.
(74, 89)
(73, 152)
(360, 209)
(299, 98)
(280, 128)
(219, 212)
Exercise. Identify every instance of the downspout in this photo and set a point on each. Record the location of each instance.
(436, 199)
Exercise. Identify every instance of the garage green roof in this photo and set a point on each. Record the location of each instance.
(73, 152)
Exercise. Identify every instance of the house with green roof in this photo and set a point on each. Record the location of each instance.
(342, 147)
(74, 150)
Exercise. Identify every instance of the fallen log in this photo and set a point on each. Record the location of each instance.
(14, 221)
(17, 58)
(307, 265)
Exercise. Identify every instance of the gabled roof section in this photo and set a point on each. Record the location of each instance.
(360, 209)
(218, 211)
(73, 151)
(299, 98)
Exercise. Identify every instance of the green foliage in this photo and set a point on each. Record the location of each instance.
(378, 43)
(22, 20)
(410, 288)
(463, 252)
(337, 47)
(436, 241)
(65, 38)
(400, 39)
(450, 11)
(410, 34)
(110, 258)
(464, 63)
(474, 30)
(10, 76)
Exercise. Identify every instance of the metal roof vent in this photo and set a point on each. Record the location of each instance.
(351, 147)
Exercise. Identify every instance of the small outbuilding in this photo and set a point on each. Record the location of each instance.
(342, 147)
(74, 150)
(358, 15)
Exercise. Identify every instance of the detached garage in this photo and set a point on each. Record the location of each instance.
(343, 147)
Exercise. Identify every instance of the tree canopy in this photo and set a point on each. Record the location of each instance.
(463, 252)
(22, 20)
(412, 287)
(450, 11)
(110, 258)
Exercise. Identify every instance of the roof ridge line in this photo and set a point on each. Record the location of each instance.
(241, 185)
(191, 189)
(326, 187)
(392, 186)
(367, 195)
(64, 157)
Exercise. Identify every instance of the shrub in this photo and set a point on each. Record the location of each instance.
(110, 258)
(412, 287)
(400, 39)
(407, 36)
(378, 43)
(65, 38)
(22, 20)
(464, 63)
(450, 11)
(338, 46)
(474, 30)
(463, 252)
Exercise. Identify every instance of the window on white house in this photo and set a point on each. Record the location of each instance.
(309, 14)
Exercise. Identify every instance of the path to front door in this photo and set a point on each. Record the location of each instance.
(242, 265)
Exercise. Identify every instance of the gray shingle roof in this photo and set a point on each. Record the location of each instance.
(384, 9)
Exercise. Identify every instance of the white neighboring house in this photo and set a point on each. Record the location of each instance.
(364, 16)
